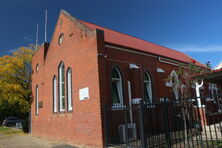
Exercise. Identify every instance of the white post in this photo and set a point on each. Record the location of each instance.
(130, 103)
(198, 93)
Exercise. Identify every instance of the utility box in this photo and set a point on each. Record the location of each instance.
(129, 131)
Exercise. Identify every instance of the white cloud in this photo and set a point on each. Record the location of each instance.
(194, 48)
(12, 50)
(27, 38)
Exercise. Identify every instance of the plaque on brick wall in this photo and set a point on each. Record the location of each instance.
(84, 93)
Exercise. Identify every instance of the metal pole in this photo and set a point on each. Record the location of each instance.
(46, 25)
(130, 103)
(106, 130)
(37, 34)
(142, 125)
(166, 123)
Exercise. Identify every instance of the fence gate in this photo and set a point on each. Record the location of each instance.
(179, 124)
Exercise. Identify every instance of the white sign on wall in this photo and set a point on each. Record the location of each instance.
(84, 93)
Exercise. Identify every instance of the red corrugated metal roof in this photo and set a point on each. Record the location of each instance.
(217, 70)
(118, 38)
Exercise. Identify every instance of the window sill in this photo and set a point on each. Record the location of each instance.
(61, 112)
(70, 111)
(150, 106)
(118, 107)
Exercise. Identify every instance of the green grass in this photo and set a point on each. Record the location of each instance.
(215, 144)
(211, 144)
(7, 131)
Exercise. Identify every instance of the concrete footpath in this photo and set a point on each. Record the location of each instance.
(28, 141)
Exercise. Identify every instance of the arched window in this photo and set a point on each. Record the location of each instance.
(37, 100)
(148, 88)
(69, 89)
(37, 68)
(61, 87)
(117, 90)
(54, 94)
(175, 84)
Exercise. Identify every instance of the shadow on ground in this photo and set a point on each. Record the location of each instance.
(64, 146)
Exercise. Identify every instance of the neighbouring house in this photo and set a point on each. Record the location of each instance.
(218, 66)
(212, 100)
(86, 66)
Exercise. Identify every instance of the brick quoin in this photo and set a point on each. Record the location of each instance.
(86, 50)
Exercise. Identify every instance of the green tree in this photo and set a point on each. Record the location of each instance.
(15, 82)
(186, 80)
(187, 77)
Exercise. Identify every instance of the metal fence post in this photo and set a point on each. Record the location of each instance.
(105, 108)
(142, 126)
(166, 123)
(126, 126)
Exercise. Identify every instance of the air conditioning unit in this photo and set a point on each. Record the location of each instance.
(130, 130)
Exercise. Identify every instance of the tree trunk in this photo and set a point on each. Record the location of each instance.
(185, 127)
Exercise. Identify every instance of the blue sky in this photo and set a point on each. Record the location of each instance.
(191, 26)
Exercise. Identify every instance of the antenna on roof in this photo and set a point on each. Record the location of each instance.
(45, 25)
(37, 35)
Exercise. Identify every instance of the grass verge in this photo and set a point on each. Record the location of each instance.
(8, 131)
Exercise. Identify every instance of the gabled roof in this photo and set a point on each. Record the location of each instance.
(122, 39)
(125, 40)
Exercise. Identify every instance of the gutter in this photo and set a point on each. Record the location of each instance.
(160, 59)
(167, 61)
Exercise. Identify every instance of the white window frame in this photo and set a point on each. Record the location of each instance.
(54, 94)
(61, 69)
(175, 85)
(69, 89)
(148, 84)
(37, 100)
(119, 86)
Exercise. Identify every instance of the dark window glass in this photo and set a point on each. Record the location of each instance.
(115, 74)
(115, 94)
(146, 94)
(147, 88)
(146, 78)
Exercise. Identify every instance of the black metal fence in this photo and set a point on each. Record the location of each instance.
(163, 124)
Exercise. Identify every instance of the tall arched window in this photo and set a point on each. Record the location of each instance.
(69, 89)
(54, 94)
(61, 87)
(117, 90)
(37, 100)
(175, 84)
(148, 88)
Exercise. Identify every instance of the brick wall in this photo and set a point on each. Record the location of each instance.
(78, 51)
(121, 59)
(92, 61)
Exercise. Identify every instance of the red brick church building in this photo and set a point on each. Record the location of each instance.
(86, 66)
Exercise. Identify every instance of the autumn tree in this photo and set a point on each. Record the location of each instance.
(15, 82)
